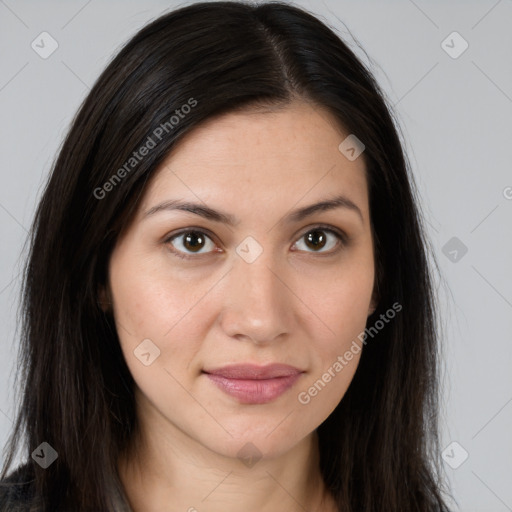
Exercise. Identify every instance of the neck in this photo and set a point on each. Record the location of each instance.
(169, 471)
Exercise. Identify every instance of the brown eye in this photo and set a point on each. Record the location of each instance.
(320, 238)
(190, 242)
(316, 239)
(193, 241)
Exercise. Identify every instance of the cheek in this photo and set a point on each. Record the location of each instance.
(150, 305)
(147, 296)
(158, 318)
(340, 302)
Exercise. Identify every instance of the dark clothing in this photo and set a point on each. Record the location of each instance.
(17, 493)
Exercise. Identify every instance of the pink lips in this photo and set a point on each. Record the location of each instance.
(252, 384)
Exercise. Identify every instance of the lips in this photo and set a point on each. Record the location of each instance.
(252, 384)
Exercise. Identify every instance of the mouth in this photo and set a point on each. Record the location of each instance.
(252, 384)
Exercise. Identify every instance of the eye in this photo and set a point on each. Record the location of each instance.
(319, 238)
(190, 242)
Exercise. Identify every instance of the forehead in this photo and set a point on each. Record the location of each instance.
(285, 155)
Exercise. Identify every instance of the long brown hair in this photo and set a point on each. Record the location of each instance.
(379, 448)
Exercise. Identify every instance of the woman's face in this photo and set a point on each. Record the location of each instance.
(243, 279)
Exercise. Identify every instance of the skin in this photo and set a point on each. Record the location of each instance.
(297, 303)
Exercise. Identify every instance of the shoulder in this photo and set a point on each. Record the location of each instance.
(16, 490)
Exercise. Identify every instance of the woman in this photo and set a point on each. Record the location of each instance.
(227, 301)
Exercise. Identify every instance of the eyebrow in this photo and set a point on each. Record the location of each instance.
(226, 218)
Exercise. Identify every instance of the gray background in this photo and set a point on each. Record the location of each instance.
(455, 114)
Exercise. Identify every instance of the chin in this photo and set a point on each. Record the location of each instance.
(254, 440)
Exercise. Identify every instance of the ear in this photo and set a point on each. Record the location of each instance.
(374, 302)
(104, 299)
(372, 307)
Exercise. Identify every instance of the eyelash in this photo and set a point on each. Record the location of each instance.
(340, 235)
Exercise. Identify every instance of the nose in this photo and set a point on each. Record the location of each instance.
(258, 306)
